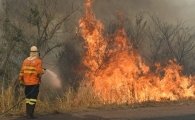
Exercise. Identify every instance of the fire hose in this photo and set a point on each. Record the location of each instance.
(20, 101)
(5, 112)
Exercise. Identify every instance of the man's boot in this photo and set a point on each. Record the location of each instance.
(31, 111)
(27, 110)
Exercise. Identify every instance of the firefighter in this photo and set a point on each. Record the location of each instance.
(30, 77)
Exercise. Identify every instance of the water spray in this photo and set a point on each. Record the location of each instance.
(52, 79)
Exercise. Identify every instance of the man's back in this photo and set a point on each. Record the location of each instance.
(32, 69)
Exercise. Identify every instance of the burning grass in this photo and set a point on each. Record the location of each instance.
(72, 101)
(115, 75)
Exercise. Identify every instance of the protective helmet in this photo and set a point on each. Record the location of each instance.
(33, 49)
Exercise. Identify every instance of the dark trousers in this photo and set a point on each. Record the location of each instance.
(31, 93)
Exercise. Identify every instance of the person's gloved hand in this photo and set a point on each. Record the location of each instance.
(44, 70)
(21, 83)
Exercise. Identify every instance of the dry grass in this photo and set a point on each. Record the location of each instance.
(70, 100)
(67, 101)
(8, 100)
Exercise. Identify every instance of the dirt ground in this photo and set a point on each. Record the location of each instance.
(163, 112)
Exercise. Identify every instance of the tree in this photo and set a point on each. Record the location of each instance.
(37, 23)
(168, 41)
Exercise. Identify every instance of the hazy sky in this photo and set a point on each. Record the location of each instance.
(171, 10)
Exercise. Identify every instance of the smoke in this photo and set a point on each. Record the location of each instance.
(105, 10)
(169, 10)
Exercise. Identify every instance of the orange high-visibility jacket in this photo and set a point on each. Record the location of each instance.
(31, 71)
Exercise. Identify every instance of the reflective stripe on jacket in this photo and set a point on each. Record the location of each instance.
(31, 71)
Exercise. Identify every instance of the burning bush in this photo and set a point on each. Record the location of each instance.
(117, 73)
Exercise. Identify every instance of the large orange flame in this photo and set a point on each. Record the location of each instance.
(92, 30)
(118, 73)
